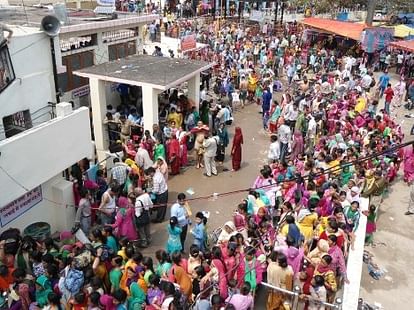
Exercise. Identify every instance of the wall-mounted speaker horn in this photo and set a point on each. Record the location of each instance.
(50, 25)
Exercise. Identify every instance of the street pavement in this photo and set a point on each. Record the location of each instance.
(393, 241)
(394, 244)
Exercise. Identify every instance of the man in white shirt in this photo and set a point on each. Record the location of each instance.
(311, 134)
(291, 115)
(366, 81)
(210, 147)
(274, 149)
(203, 94)
(180, 211)
(143, 204)
(400, 60)
(387, 60)
(142, 158)
(160, 191)
(284, 133)
(345, 74)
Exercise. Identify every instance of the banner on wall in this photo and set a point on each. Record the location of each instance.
(188, 42)
(106, 2)
(375, 39)
(256, 16)
(18, 207)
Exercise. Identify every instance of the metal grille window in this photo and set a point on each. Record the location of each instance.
(122, 50)
(17, 123)
(68, 81)
(6, 68)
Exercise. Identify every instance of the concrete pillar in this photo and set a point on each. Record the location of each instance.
(140, 39)
(150, 107)
(98, 102)
(194, 90)
(101, 50)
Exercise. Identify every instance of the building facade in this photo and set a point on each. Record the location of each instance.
(38, 139)
(94, 43)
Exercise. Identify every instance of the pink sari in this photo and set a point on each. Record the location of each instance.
(125, 220)
(408, 164)
(222, 277)
(297, 145)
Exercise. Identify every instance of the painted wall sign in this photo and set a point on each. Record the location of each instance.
(81, 91)
(18, 207)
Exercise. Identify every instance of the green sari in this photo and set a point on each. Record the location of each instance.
(159, 151)
(43, 292)
(137, 298)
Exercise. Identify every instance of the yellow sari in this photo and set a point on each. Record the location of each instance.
(307, 224)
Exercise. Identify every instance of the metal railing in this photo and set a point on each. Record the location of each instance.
(295, 300)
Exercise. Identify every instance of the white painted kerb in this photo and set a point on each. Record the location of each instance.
(355, 262)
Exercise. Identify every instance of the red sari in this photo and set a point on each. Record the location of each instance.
(236, 150)
(174, 156)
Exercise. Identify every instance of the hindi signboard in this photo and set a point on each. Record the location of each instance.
(188, 42)
(18, 207)
(256, 16)
(106, 2)
(81, 91)
(375, 39)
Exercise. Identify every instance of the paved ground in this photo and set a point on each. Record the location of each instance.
(254, 155)
(393, 251)
(394, 228)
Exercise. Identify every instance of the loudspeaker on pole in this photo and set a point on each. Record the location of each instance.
(50, 25)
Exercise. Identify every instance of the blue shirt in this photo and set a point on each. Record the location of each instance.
(198, 232)
(180, 213)
(267, 97)
(384, 80)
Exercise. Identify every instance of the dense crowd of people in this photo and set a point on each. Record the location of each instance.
(330, 147)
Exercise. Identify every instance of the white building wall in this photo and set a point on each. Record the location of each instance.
(38, 154)
(33, 87)
(55, 208)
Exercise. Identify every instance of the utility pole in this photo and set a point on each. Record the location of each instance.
(276, 5)
(370, 12)
(281, 14)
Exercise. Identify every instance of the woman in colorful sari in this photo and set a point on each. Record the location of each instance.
(148, 143)
(324, 269)
(218, 264)
(182, 139)
(315, 256)
(308, 219)
(124, 221)
(297, 145)
(174, 155)
(275, 112)
(43, 288)
(409, 164)
(371, 215)
(179, 275)
(137, 299)
(236, 150)
(107, 302)
(279, 274)
(164, 264)
(159, 150)
(252, 80)
(223, 143)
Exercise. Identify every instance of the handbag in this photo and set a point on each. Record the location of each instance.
(144, 218)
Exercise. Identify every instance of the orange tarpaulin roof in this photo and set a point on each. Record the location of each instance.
(344, 29)
(404, 45)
